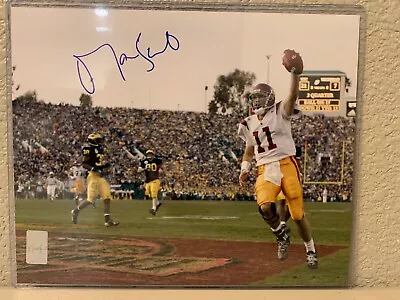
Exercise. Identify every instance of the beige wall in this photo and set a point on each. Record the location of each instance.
(376, 258)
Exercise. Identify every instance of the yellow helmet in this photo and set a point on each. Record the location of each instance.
(149, 152)
(95, 138)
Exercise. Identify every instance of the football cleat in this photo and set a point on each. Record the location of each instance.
(312, 260)
(154, 211)
(111, 223)
(283, 249)
(283, 240)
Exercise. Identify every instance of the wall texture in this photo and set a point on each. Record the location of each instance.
(376, 255)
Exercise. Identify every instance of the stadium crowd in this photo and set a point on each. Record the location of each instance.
(201, 152)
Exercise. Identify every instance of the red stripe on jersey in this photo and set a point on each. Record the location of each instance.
(294, 162)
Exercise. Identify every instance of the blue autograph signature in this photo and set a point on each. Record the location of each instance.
(171, 42)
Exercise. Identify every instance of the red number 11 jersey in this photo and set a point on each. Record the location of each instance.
(271, 137)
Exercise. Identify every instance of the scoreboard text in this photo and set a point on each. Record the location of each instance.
(319, 93)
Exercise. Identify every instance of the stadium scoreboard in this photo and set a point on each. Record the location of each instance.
(320, 93)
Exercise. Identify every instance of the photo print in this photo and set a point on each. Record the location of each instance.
(183, 147)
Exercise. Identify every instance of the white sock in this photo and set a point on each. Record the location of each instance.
(310, 245)
(155, 203)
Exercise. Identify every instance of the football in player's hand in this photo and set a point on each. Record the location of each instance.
(292, 61)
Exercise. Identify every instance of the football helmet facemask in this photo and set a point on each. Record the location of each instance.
(262, 98)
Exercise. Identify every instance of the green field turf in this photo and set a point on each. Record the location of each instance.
(331, 223)
(332, 271)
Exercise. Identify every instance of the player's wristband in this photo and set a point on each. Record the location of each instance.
(245, 167)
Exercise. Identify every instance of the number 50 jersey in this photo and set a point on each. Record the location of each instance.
(271, 137)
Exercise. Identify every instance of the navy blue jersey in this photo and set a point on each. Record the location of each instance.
(151, 168)
(93, 157)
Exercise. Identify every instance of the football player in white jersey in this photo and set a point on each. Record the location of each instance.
(51, 186)
(78, 174)
(268, 137)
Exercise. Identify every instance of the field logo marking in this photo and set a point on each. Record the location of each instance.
(135, 256)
